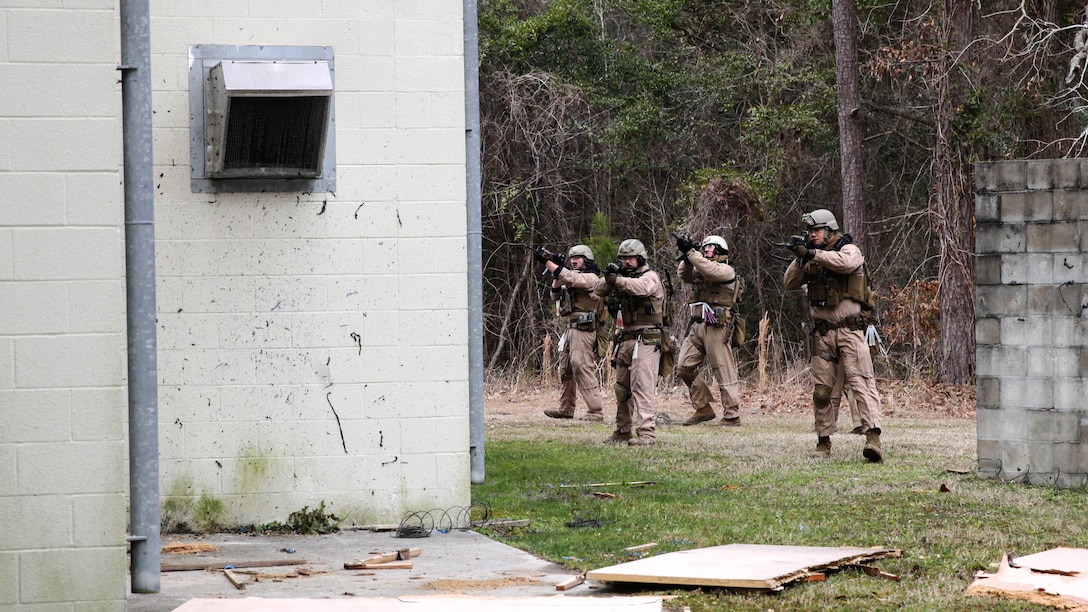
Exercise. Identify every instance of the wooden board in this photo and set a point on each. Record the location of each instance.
(187, 567)
(1057, 577)
(746, 566)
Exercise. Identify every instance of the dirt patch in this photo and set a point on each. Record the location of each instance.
(457, 586)
(507, 403)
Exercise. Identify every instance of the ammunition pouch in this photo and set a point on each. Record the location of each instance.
(856, 322)
(583, 321)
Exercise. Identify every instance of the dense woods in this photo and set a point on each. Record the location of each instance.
(611, 119)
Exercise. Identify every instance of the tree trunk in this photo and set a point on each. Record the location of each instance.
(953, 205)
(855, 214)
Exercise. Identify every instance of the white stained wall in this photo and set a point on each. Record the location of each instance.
(313, 346)
(62, 322)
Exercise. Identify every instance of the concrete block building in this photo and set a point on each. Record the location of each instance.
(312, 324)
(1031, 329)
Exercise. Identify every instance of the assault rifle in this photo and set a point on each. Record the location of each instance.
(800, 239)
(687, 242)
(542, 254)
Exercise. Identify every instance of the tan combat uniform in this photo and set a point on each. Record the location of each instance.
(637, 353)
(715, 289)
(833, 278)
(578, 302)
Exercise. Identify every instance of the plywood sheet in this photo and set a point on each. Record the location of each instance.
(558, 603)
(1056, 577)
(748, 566)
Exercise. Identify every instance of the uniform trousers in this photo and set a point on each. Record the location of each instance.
(710, 344)
(847, 348)
(636, 386)
(578, 372)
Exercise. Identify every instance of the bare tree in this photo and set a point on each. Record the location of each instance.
(953, 203)
(855, 213)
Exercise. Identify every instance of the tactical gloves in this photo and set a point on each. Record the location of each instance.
(800, 249)
(685, 244)
(611, 273)
(541, 254)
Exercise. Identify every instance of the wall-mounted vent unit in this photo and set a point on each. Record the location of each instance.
(267, 119)
(262, 118)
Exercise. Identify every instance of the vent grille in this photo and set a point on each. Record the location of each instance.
(275, 136)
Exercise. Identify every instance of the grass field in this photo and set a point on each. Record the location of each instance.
(756, 485)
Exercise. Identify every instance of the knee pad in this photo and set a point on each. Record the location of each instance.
(622, 393)
(821, 396)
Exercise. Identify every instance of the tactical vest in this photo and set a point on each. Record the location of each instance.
(827, 289)
(640, 310)
(575, 301)
(715, 293)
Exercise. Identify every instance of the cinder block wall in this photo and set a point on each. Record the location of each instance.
(313, 346)
(1030, 329)
(62, 322)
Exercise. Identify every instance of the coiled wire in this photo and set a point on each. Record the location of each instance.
(462, 518)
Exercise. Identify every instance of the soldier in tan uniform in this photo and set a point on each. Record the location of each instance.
(832, 270)
(636, 293)
(715, 290)
(574, 285)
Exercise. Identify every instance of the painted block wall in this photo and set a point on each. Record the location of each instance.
(313, 347)
(1032, 348)
(62, 324)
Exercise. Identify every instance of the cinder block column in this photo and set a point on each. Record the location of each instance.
(1032, 268)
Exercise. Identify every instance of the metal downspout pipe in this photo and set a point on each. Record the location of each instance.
(474, 244)
(143, 401)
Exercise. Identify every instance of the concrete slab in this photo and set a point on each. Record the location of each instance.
(459, 562)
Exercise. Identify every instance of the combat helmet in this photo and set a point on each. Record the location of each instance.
(633, 247)
(720, 246)
(581, 250)
(820, 218)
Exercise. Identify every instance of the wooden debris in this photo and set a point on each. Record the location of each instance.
(641, 483)
(640, 547)
(185, 567)
(507, 523)
(604, 495)
(815, 577)
(571, 582)
(179, 548)
(873, 571)
(234, 579)
(378, 566)
(384, 558)
(1054, 578)
(380, 527)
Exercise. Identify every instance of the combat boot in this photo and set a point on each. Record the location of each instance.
(618, 438)
(641, 441)
(872, 445)
(701, 416)
(823, 448)
(556, 414)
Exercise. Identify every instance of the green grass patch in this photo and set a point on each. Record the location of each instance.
(756, 485)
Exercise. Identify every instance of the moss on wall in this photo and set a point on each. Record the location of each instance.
(182, 511)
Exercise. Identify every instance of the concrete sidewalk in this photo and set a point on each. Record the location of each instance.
(462, 562)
